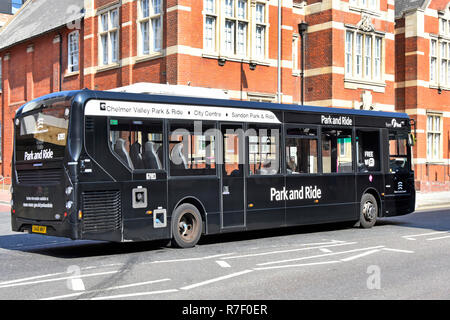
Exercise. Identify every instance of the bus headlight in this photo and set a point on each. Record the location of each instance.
(69, 190)
(69, 204)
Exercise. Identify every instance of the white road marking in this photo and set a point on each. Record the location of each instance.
(413, 236)
(223, 264)
(120, 296)
(325, 250)
(438, 238)
(398, 250)
(297, 265)
(191, 259)
(318, 256)
(360, 255)
(54, 274)
(289, 250)
(76, 284)
(195, 285)
(57, 279)
(32, 278)
(106, 289)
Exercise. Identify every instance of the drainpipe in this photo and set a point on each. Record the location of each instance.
(302, 27)
(279, 54)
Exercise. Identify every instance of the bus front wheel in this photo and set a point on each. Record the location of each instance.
(186, 226)
(368, 211)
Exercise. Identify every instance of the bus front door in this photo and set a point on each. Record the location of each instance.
(400, 192)
(369, 175)
(232, 182)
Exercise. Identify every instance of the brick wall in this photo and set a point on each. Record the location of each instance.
(416, 94)
(33, 67)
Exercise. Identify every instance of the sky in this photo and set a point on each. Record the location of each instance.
(16, 4)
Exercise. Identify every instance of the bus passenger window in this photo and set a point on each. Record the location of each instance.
(191, 151)
(337, 150)
(137, 143)
(264, 150)
(301, 150)
(368, 151)
(398, 152)
(301, 155)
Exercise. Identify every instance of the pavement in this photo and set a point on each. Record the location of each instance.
(423, 200)
(432, 199)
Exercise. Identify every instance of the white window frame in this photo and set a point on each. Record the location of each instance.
(434, 136)
(153, 36)
(218, 38)
(373, 5)
(71, 67)
(366, 65)
(210, 15)
(235, 21)
(349, 53)
(433, 61)
(106, 34)
(295, 54)
(440, 62)
(264, 26)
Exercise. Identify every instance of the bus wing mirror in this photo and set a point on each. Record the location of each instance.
(411, 140)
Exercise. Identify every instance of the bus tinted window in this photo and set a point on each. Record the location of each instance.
(42, 135)
(301, 150)
(398, 152)
(368, 151)
(233, 151)
(308, 132)
(192, 149)
(263, 150)
(139, 144)
(336, 150)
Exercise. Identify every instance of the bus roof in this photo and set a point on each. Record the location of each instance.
(85, 95)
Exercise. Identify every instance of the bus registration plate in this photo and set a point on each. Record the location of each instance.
(39, 229)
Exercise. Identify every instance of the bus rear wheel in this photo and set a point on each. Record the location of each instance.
(368, 211)
(186, 226)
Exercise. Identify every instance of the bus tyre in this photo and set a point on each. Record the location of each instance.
(186, 226)
(368, 211)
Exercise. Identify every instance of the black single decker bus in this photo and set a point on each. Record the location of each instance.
(133, 167)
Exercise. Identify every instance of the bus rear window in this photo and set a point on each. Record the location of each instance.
(42, 135)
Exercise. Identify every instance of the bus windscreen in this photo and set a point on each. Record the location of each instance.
(42, 135)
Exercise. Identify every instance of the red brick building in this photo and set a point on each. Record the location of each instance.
(423, 85)
(239, 46)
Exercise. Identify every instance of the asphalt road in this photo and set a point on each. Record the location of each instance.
(404, 257)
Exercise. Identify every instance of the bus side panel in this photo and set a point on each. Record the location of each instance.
(321, 199)
(263, 210)
(204, 190)
(138, 217)
(372, 183)
(400, 198)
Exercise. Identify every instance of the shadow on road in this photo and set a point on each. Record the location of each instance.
(69, 249)
(438, 220)
(433, 219)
